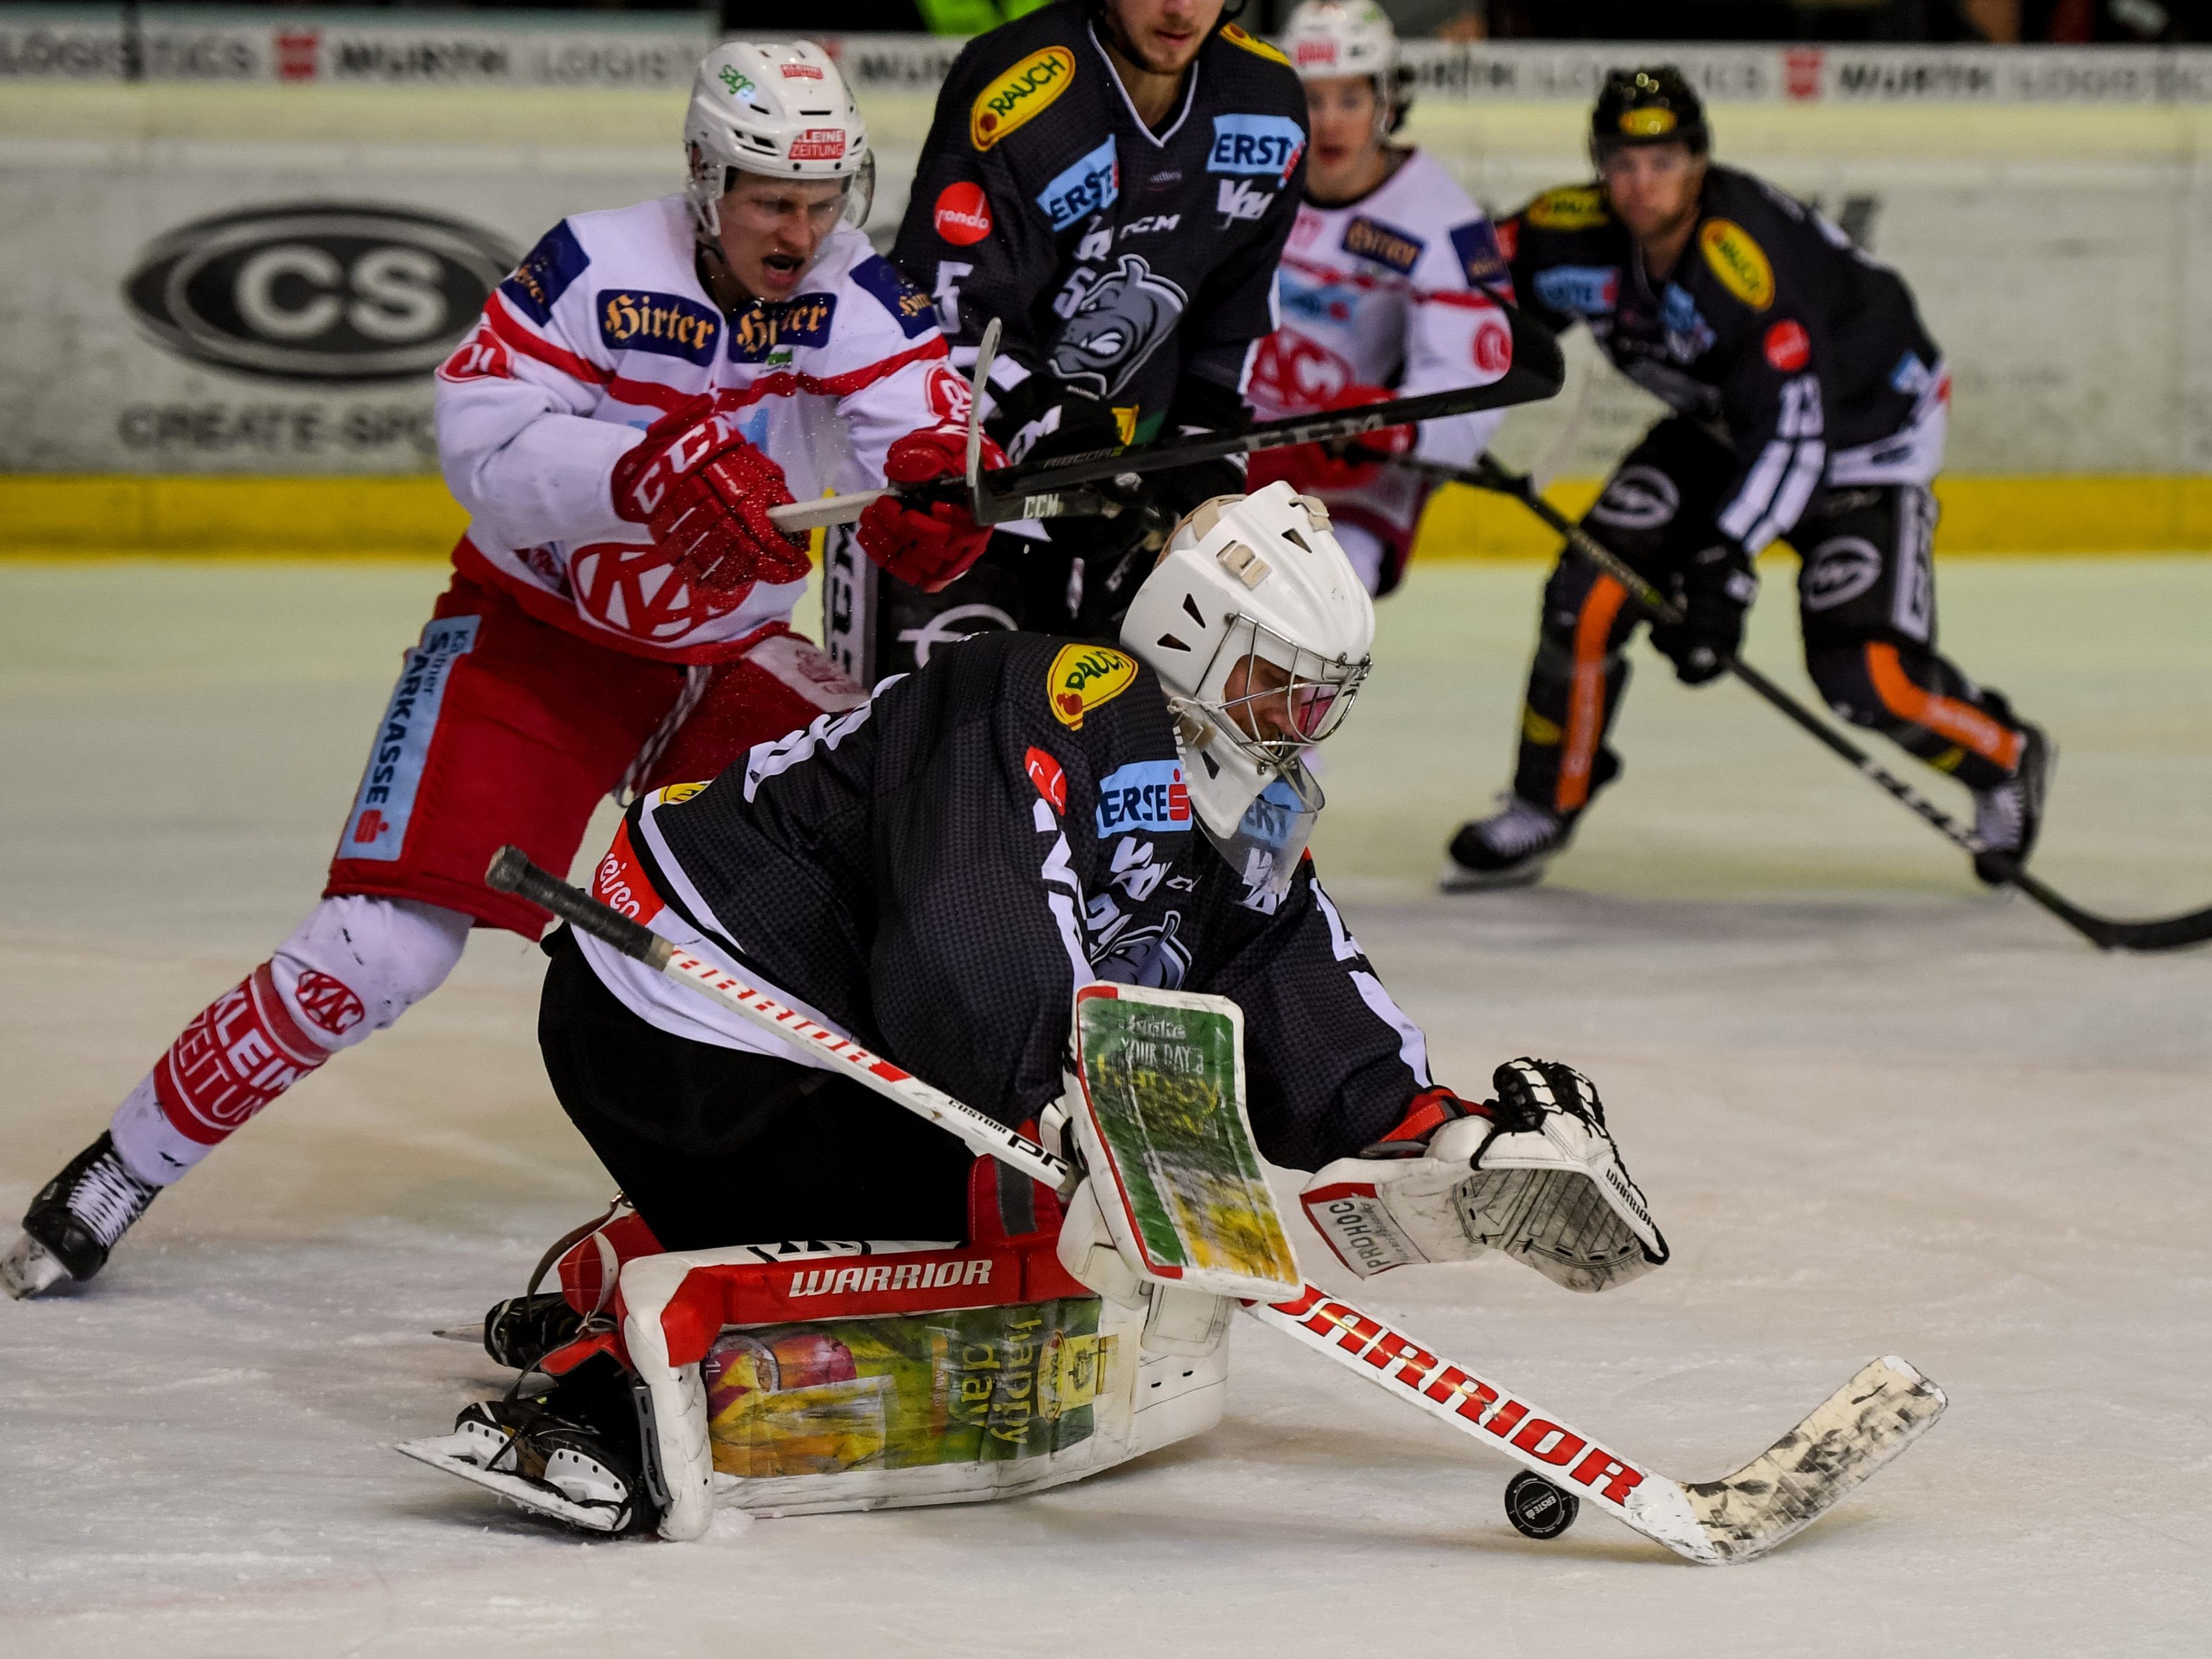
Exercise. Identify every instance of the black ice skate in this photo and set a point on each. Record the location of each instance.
(523, 1329)
(577, 1453)
(75, 1222)
(1510, 848)
(2008, 816)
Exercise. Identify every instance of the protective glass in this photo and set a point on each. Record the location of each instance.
(1270, 838)
(1277, 697)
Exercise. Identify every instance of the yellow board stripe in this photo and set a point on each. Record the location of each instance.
(46, 515)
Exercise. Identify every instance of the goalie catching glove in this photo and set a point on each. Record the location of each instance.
(705, 492)
(1533, 1174)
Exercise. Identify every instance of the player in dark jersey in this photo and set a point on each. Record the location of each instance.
(1809, 402)
(1114, 180)
(934, 874)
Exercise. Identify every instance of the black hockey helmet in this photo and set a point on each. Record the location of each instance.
(1654, 105)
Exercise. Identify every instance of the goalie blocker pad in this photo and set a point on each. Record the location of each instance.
(1156, 1106)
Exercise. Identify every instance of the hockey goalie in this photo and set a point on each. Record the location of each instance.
(1024, 827)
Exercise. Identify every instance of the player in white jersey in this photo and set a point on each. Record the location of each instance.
(1386, 288)
(636, 398)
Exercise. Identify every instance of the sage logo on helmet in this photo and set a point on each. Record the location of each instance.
(1653, 105)
(316, 290)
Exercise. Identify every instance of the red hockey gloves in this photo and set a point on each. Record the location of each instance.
(927, 544)
(1714, 593)
(1346, 464)
(704, 492)
(1532, 1174)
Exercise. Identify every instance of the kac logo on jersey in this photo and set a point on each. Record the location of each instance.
(1143, 795)
(1580, 290)
(1367, 238)
(638, 320)
(1091, 185)
(1257, 145)
(762, 327)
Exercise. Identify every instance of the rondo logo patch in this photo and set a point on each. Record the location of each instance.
(316, 290)
(963, 215)
(1019, 95)
(1788, 347)
(1739, 262)
(1083, 678)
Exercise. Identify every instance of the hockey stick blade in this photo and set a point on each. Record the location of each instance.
(1862, 1426)
(2105, 932)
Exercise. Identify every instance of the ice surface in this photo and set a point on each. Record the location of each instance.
(1876, 1110)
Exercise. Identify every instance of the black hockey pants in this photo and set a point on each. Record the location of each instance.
(717, 1146)
(1865, 597)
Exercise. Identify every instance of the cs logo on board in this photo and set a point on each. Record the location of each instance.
(316, 290)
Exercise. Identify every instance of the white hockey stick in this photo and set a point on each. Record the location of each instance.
(1862, 1426)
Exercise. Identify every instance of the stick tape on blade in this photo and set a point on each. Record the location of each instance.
(1162, 1126)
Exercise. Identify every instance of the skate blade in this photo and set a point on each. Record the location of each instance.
(461, 1333)
(1458, 878)
(438, 1452)
(29, 1269)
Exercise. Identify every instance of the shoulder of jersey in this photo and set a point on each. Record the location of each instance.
(644, 246)
(1747, 228)
(878, 310)
(1566, 209)
(1019, 70)
(1250, 62)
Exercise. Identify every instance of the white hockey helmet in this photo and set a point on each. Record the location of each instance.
(780, 109)
(1243, 578)
(1326, 38)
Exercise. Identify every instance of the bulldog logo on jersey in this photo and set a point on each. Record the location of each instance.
(1115, 322)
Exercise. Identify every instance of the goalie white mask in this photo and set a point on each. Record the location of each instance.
(781, 109)
(1260, 631)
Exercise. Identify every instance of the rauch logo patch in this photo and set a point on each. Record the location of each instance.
(1082, 678)
(318, 290)
(1019, 95)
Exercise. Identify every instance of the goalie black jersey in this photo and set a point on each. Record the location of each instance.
(1120, 259)
(1772, 326)
(933, 873)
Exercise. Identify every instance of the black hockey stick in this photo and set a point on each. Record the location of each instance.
(1055, 489)
(2106, 932)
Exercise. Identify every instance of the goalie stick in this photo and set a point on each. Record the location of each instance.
(1862, 1426)
(2105, 932)
(1056, 488)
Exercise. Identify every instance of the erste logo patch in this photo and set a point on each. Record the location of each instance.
(1083, 678)
(1143, 795)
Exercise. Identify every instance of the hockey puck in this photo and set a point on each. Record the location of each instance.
(1538, 1508)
